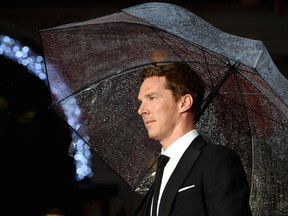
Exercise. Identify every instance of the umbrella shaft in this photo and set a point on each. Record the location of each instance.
(215, 90)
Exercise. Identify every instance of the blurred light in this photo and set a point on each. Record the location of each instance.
(23, 55)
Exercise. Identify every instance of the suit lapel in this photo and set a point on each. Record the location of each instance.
(179, 175)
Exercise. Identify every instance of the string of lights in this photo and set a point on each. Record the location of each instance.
(25, 56)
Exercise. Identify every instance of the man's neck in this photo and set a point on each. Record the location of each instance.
(166, 143)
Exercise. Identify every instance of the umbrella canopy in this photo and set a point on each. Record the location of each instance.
(92, 70)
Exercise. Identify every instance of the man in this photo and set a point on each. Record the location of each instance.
(200, 179)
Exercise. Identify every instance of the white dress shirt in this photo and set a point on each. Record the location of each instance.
(175, 152)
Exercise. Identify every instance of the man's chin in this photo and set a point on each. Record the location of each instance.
(152, 136)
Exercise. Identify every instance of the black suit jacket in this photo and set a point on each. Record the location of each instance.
(209, 180)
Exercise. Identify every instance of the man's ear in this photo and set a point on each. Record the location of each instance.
(186, 102)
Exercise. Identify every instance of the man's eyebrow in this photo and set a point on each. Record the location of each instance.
(150, 93)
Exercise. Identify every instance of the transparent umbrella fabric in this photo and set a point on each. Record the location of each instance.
(92, 70)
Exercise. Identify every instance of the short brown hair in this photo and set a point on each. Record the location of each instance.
(181, 79)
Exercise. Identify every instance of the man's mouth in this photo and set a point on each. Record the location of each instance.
(148, 122)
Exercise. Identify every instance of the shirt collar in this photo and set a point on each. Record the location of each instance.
(176, 149)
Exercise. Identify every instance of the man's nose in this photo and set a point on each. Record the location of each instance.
(141, 110)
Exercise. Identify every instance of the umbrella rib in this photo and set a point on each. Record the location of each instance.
(274, 120)
(235, 117)
(250, 131)
(241, 94)
(208, 68)
(153, 28)
(247, 108)
(258, 87)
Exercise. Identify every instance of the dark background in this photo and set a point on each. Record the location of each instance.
(36, 172)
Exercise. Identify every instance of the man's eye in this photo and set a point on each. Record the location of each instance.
(152, 98)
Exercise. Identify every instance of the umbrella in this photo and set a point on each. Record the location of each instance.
(92, 69)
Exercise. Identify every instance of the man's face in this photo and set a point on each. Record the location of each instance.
(158, 108)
